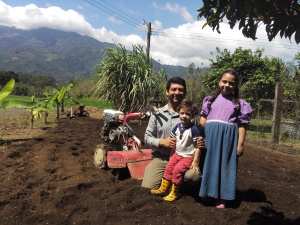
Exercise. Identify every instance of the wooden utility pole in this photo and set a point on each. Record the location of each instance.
(277, 113)
(148, 40)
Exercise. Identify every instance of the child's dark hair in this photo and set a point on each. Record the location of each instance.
(187, 103)
(176, 80)
(236, 92)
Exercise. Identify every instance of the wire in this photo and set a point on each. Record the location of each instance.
(122, 12)
(135, 23)
(203, 38)
(116, 15)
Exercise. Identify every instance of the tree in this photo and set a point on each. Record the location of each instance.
(258, 74)
(196, 90)
(292, 87)
(126, 78)
(82, 87)
(6, 76)
(279, 16)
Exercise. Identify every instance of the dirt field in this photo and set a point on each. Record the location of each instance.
(51, 179)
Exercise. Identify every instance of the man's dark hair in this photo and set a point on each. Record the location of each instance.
(176, 80)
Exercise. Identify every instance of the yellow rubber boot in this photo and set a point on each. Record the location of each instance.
(174, 194)
(163, 189)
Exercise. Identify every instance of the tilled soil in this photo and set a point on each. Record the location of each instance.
(52, 180)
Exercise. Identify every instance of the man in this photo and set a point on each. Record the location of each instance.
(158, 136)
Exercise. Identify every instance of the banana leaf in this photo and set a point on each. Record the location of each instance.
(16, 103)
(7, 89)
(37, 112)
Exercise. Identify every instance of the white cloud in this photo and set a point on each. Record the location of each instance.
(190, 43)
(157, 25)
(79, 6)
(182, 45)
(182, 11)
(175, 8)
(115, 20)
(32, 17)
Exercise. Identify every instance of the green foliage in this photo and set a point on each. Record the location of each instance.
(196, 91)
(127, 79)
(258, 74)
(58, 97)
(81, 88)
(36, 107)
(61, 55)
(280, 16)
(6, 76)
(27, 85)
(17, 103)
(7, 89)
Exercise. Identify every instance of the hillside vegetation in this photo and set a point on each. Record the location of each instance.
(61, 55)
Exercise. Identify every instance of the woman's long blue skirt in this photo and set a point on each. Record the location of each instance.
(221, 162)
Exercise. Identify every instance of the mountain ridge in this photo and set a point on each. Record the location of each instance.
(62, 55)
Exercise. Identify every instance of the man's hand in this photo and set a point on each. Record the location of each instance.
(168, 143)
(200, 143)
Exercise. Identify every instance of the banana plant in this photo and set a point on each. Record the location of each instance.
(36, 107)
(41, 106)
(7, 89)
(58, 97)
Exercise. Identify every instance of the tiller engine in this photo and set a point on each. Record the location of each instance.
(123, 148)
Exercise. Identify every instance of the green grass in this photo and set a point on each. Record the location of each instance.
(259, 122)
(259, 134)
(86, 101)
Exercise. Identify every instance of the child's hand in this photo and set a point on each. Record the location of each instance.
(195, 167)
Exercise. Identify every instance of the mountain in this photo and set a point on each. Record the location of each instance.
(61, 55)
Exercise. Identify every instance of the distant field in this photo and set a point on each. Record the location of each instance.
(93, 102)
(86, 101)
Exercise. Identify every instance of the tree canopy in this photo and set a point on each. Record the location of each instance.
(258, 74)
(279, 16)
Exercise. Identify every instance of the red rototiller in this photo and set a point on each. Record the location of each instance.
(123, 148)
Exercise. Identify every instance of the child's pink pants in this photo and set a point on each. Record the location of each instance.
(176, 168)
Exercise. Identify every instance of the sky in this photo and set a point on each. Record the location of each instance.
(177, 36)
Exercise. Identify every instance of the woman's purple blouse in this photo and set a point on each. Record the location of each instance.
(224, 109)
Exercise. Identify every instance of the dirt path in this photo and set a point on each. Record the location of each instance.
(51, 179)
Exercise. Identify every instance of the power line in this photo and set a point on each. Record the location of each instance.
(121, 12)
(203, 38)
(116, 15)
(193, 36)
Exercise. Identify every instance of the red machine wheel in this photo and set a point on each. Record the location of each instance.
(100, 158)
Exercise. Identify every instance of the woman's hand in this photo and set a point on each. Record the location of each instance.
(240, 150)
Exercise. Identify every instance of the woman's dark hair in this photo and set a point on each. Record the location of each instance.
(176, 80)
(187, 103)
(236, 92)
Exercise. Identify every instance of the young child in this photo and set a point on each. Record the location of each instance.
(224, 118)
(186, 156)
